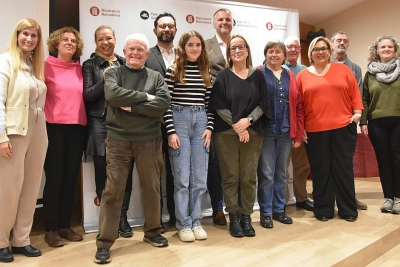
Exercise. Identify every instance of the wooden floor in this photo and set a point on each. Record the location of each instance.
(373, 240)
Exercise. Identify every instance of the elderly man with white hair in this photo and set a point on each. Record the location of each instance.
(137, 98)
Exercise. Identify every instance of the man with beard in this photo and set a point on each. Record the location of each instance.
(216, 48)
(301, 166)
(340, 42)
(161, 56)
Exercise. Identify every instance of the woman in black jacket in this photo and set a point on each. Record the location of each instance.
(94, 70)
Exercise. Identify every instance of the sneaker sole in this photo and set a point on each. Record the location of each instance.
(154, 244)
(102, 261)
(386, 211)
(395, 211)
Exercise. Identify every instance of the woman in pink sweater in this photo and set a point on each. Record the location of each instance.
(66, 127)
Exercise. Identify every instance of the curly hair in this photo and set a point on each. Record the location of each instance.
(203, 61)
(229, 62)
(37, 55)
(373, 49)
(55, 38)
(314, 42)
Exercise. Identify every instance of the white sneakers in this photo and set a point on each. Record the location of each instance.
(189, 235)
(387, 205)
(396, 206)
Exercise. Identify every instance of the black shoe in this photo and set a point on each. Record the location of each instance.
(266, 222)
(282, 217)
(102, 256)
(350, 218)
(125, 229)
(5, 255)
(235, 229)
(248, 229)
(27, 251)
(156, 241)
(307, 205)
(322, 218)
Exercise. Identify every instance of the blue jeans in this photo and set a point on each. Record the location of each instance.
(189, 164)
(271, 173)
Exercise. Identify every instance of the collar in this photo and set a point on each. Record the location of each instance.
(290, 64)
(163, 50)
(129, 66)
(344, 61)
(220, 42)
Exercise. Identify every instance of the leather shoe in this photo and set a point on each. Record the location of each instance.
(219, 217)
(266, 222)
(248, 229)
(307, 205)
(361, 206)
(5, 255)
(350, 218)
(282, 217)
(321, 218)
(69, 234)
(27, 251)
(53, 239)
(102, 256)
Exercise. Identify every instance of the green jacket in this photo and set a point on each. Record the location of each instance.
(126, 87)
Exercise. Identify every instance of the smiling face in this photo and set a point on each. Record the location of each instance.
(27, 39)
(135, 53)
(293, 51)
(340, 43)
(67, 45)
(193, 48)
(223, 23)
(386, 50)
(320, 53)
(238, 50)
(165, 30)
(275, 56)
(105, 42)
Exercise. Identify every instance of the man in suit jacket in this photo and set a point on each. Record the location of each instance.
(161, 56)
(216, 48)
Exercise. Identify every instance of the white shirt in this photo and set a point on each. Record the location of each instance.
(222, 45)
(168, 56)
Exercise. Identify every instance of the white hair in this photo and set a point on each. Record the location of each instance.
(291, 39)
(138, 37)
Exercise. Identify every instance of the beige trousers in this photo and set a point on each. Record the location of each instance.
(20, 178)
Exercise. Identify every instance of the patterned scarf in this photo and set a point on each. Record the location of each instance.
(385, 72)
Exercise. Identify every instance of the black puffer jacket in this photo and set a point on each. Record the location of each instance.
(93, 84)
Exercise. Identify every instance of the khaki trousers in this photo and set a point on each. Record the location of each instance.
(20, 181)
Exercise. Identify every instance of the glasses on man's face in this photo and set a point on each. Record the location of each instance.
(319, 49)
(293, 47)
(240, 47)
(164, 26)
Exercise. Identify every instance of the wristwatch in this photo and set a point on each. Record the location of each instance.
(251, 120)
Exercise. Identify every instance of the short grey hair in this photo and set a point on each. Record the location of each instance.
(138, 37)
(339, 32)
(290, 39)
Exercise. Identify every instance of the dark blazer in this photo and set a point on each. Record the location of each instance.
(155, 61)
(217, 60)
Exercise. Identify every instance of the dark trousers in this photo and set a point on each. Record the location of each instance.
(62, 165)
(100, 175)
(169, 177)
(149, 163)
(214, 180)
(331, 159)
(385, 137)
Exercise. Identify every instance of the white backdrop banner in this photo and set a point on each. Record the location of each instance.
(258, 24)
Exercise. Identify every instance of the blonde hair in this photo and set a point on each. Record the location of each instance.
(97, 51)
(314, 42)
(37, 55)
(373, 49)
(55, 38)
(203, 61)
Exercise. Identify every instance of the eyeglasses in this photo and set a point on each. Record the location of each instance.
(293, 47)
(170, 26)
(319, 49)
(240, 47)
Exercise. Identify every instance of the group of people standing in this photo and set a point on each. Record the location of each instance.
(217, 122)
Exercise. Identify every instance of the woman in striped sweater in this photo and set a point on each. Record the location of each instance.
(189, 129)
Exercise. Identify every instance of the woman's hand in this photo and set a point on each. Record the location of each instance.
(173, 141)
(207, 138)
(244, 136)
(305, 137)
(364, 130)
(241, 125)
(295, 144)
(126, 108)
(355, 118)
(6, 149)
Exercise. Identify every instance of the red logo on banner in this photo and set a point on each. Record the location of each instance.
(190, 19)
(269, 26)
(94, 11)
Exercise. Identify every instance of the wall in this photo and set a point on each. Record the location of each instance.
(364, 23)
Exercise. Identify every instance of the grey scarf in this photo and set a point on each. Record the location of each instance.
(385, 72)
